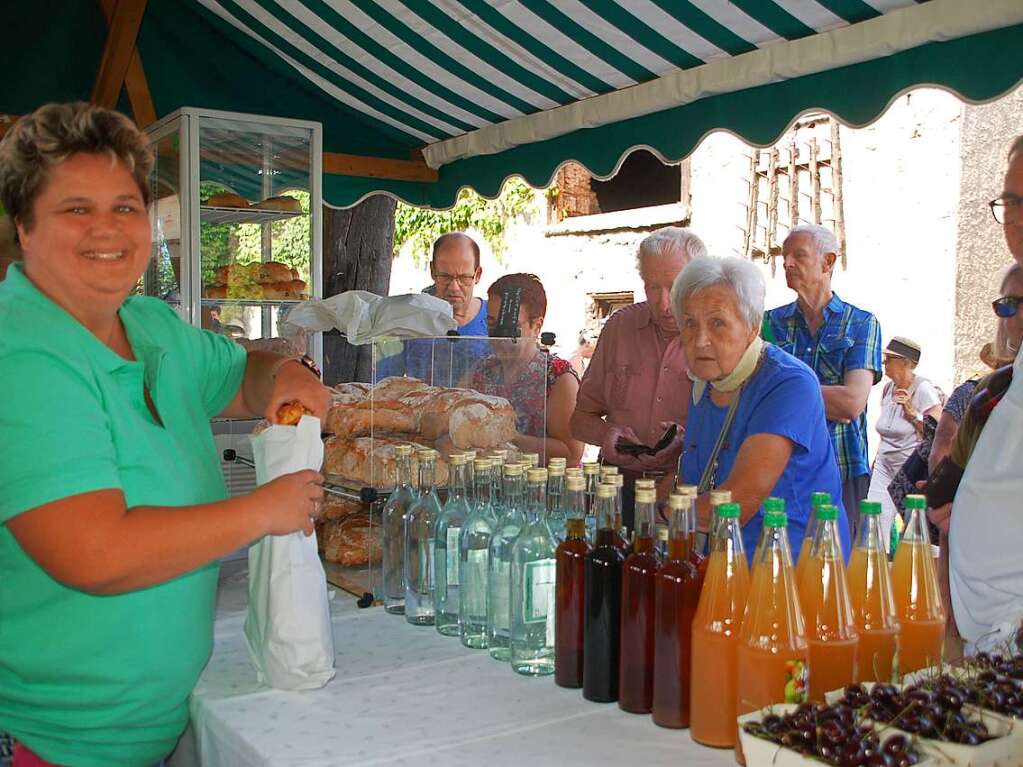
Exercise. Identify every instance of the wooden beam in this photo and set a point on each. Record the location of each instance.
(134, 79)
(117, 51)
(377, 167)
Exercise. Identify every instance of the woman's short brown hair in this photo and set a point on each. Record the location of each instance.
(534, 297)
(54, 132)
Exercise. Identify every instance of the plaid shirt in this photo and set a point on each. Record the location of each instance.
(848, 339)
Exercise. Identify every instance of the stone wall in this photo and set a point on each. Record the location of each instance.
(988, 131)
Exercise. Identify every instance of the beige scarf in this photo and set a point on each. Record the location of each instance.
(743, 370)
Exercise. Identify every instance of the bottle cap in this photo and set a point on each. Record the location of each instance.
(607, 469)
(719, 497)
(499, 453)
(870, 507)
(513, 470)
(562, 462)
(728, 510)
(555, 470)
(692, 491)
(471, 455)
(536, 475)
(819, 499)
(646, 484)
(573, 471)
(591, 468)
(662, 533)
(679, 501)
(457, 459)
(533, 459)
(605, 491)
(645, 496)
(916, 502)
(827, 512)
(575, 484)
(403, 450)
(499, 460)
(426, 454)
(774, 504)
(481, 464)
(776, 519)
(617, 480)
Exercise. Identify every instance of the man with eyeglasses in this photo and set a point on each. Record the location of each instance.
(455, 269)
(986, 528)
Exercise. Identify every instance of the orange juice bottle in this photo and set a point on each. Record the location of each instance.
(873, 604)
(713, 673)
(917, 599)
(824, 596)
(816, 499)
(772, 657)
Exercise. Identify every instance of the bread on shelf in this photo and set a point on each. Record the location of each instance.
(369, 461)
(282, 202)
(353, 541)
(227, 200)
(269, 281)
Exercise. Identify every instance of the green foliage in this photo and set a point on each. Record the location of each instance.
(489, 217)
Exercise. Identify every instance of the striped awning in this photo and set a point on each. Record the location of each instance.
(478, 90)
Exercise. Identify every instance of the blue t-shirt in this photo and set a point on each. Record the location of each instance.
(441, 362)
(783, 397)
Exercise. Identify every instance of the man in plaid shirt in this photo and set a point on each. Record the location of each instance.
(840, 342)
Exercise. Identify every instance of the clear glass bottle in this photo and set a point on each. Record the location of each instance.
(509, 524)
(532, 585)
(816, 499)
(393, 523)
(556, 499)
(591, 474)
(446, 548)
(497, 464)
(474, 561)
(603, 597)
(419, 537)
(470, 477)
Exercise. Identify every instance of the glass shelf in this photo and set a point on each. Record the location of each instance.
(211, 215)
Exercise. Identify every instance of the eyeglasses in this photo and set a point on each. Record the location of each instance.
(1005, 209)
(1007, 306)
(465, 280)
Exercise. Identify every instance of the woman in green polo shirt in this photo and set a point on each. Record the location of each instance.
(113, 510)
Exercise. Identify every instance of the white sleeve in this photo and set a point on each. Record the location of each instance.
(926, 396)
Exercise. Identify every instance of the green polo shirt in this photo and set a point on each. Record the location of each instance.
(95, 681)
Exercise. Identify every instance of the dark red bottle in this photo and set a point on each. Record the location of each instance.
(603, 606)
(570, 605)
(676, 598)
(639, 573)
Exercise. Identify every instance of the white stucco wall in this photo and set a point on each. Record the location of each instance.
(901, 189)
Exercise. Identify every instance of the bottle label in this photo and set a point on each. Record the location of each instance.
(474, 576)
(539, 590)
(796, 681)
(452, 555)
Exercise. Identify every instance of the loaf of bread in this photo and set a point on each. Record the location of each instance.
(289, 204)
(227, 200)
(434, 417)
(339, 508)
(216, 292)
(274, 271)
(396, 387)
(367, 417)
(353, 541)
(369, 461)
(481, 422)
(349, 393)
(281, 291)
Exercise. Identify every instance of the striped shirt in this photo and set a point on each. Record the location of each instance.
(848, 339)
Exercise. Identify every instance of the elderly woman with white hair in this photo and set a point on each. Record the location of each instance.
(756, 423)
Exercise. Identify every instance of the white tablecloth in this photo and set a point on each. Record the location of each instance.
(406, 695)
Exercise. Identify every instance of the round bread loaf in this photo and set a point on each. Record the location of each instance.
(218, 292)
(289, 204)
(274, 271)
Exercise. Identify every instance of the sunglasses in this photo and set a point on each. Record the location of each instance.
(1007, 306)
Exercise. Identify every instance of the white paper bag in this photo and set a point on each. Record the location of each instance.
(288, 627)
(363, 316)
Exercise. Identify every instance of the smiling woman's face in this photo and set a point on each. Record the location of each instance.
(714, 332)
(90, 240)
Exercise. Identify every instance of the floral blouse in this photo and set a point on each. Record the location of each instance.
(528, 393)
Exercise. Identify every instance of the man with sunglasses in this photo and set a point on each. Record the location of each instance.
(986, 528)
(455, 269)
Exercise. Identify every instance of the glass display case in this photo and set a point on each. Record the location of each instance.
(452, 394)
(237, 222)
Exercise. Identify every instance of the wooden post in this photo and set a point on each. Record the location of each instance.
(358, 245)
(685, 195)
(836, 190)
(117, 51)
(815, 183)
(772, 207)
(793, 185)
(752, 201)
